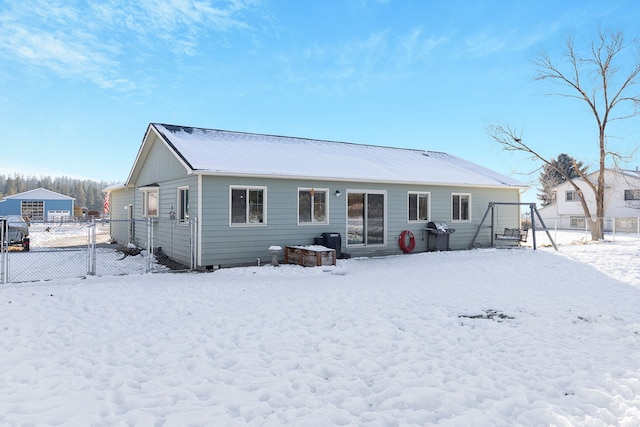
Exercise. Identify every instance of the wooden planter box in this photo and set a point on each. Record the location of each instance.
(309, 256)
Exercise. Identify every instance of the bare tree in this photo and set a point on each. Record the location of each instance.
(594, 78)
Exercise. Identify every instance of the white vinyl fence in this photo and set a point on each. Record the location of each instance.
(612, 227)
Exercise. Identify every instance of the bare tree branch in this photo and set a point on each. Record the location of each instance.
(604, 96)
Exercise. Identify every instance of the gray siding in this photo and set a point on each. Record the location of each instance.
(160, 165)
(224, 245)
(119, 202)
(170, 235)
(504, 216)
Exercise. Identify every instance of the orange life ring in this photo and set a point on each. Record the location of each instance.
(411, 245)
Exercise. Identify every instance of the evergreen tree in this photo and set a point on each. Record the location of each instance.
(87, 193)
(555, 173)
(10, 188)
(91, 194)
(19, 183)
(79, 194)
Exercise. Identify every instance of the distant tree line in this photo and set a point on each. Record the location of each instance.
(87, 193)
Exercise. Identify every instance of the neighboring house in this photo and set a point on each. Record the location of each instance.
(38, 205)
(621, 202)
(250, 191)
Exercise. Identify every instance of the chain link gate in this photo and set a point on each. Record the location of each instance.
(170, 245)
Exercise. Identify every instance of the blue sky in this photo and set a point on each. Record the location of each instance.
(81, 80)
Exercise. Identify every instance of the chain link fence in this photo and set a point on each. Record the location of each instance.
(104, 248)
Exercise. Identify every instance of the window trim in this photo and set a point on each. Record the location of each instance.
(469, 219)
(631, 195)
(326, 206)
(418, 194)
(30, 207)
(146, 191)
(574, 198)
(385, 221)
(181, 216)
(577, 222)
(248, 188)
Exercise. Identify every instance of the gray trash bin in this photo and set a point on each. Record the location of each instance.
(330, 240)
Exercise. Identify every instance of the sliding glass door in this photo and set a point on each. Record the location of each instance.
(365, 222)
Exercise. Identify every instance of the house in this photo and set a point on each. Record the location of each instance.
(38, 205)
(247, 192)
(621, 202)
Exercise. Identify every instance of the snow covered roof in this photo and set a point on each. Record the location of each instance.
(40, 194)
(211, 151)
(631, 173)
(609, 174)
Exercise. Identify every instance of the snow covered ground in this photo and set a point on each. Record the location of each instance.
(47, 235)
(467, 338)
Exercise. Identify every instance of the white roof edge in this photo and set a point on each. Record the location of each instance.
(143, 148)
(38, 190)
(347, 180)
(113, 187)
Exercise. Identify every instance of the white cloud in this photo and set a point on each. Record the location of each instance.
(484, 43)
(69, 55)
(414, 47)
(89, 41)
(358, 62)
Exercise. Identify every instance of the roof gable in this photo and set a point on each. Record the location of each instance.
(149, 145)
(40, 194)
(211, 151)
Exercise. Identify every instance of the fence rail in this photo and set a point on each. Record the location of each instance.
(611, 226)
(79, 249)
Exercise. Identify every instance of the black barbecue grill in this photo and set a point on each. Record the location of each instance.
(441, 231)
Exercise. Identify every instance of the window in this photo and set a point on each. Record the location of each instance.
(419, 206)
(632, 194)
(150, 201)
(461, 207)
(312, 206)
(248, 205)
(58, 215)
(577, 222)
(626, 225)
(183, 204)
(571, 196)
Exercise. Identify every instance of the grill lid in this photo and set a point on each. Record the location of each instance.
(438, 225)
(439, 228)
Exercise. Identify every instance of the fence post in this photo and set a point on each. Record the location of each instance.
(586, 229)
(613, 229)
(149, 244)
(194, 243)
(91, 248)
(4, 257)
